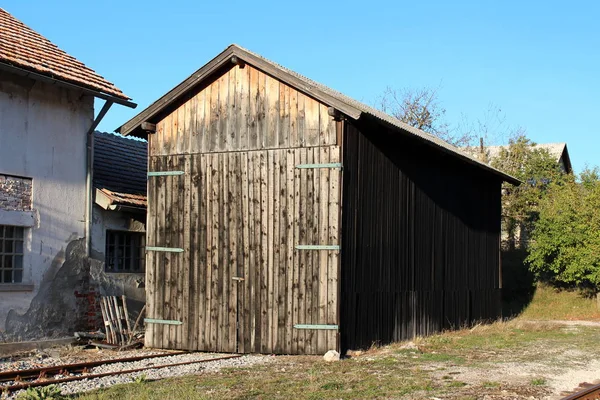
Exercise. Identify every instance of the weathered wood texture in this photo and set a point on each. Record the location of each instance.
(240, 215)
(420, 240)
(243, 109)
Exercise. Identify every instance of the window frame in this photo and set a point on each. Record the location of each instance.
(131, 251)
(11, 254)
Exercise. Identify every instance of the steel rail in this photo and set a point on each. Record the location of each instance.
(26, 385)
(590, 393)
(41, 372)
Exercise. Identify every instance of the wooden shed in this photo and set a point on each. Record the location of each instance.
(285, 217)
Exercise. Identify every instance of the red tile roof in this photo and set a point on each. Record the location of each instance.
(23, 47)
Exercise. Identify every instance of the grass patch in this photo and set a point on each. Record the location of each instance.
(538, 381)
(384, 372)
(303, 378)
(549, 303)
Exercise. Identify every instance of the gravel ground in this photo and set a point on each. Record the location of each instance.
(42, 360)
(66, 355)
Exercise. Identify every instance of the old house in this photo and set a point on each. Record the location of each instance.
(46, 125)
(558, 151)
(518, 236)
(285, 217)
(119, 218)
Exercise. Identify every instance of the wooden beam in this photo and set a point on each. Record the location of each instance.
(162, 321)
(148, 127)
(334, 113)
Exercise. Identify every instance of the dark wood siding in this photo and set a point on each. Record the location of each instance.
(420, 248)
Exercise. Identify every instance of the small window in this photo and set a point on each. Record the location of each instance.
(11, 254)
(125, 251)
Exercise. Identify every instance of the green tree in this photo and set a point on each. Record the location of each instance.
(537, 170)
(565, 245)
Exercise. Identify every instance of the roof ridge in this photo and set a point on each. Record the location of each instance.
(25, 48)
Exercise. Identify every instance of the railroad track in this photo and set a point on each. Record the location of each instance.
(589, 392)
(43, 376)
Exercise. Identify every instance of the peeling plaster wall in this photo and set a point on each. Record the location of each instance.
(131, 285)
(43, 136)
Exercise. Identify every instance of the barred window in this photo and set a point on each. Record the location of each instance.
(11, 254)
(125, 251)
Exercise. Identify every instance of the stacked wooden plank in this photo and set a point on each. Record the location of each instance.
(116, 320)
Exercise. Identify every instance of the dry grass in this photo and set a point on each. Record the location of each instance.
(392, 371)
(552, 304)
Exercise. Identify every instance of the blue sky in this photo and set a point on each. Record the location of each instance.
(538, 61)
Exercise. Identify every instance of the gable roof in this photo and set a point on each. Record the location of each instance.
(557, 150)
(23, 48)
(120, 168)
(348, 106)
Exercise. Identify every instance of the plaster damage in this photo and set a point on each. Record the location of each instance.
(43, 140)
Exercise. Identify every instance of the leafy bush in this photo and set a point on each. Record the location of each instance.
(50, 392)
(565, 242)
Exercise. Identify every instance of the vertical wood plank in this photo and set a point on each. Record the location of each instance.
(206, 255)
(183, 137)
(269, 248)
(233, 200)
(334, 238)
(167, 240)
(188, 282)
(327, 131)
(215, 246)
(245, 300)
(253, 101)
(275, 249)
(195, 124)
(242, 96)
(323, 205)
(305, 223)
(182, 269)
(257, 288)
(284, 116)
(293, 116)
(317, 336)
(291, 268)
(311, 127)
(204, 109)
(261, 111)
(223, 278)
(301, 120)
(224, 140)
(283, 264)
(264, 228)
(214, 130)
(197, 248)
(272, 109)
(233, 113)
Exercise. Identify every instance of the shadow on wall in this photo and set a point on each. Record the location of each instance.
(518, 284)
(54, 310)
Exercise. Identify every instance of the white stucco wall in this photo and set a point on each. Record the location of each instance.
(43, 136)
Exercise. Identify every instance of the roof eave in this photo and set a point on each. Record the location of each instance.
(503, 176)
(132, 127)
(124, 101)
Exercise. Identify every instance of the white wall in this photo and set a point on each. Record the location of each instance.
(43, 136)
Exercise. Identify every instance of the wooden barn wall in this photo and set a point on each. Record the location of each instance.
(243, 109)
(239, 210)
(420, 248)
